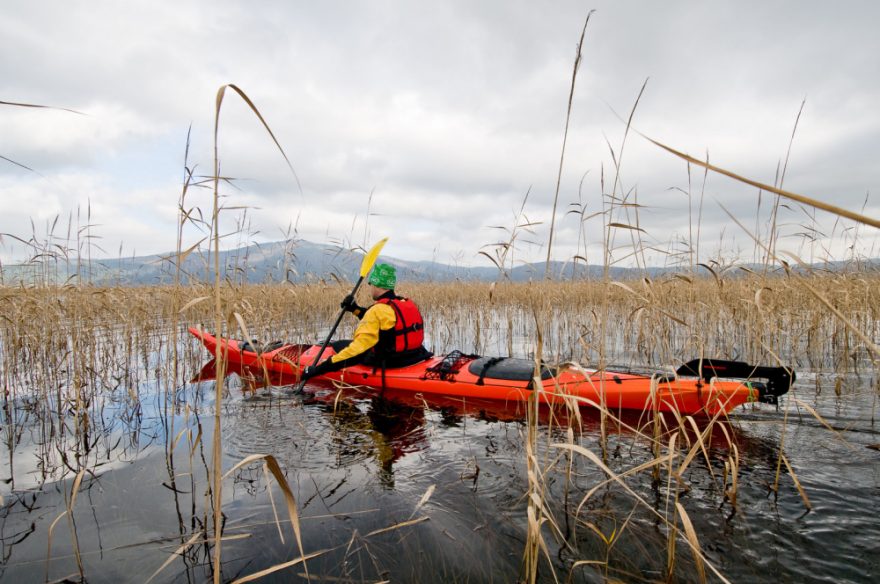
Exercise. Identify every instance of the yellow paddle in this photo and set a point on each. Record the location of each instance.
(366, 265)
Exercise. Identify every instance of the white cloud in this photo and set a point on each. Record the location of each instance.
(449, 113)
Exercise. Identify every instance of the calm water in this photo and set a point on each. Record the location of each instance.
(404, 490)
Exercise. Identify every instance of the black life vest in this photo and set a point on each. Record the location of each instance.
(408, 333)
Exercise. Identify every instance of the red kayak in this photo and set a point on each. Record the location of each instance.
(699, 387)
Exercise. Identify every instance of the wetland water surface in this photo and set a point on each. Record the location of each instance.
(406, 489)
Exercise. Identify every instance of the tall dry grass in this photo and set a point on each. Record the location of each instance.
(655, 322)
(49, 361)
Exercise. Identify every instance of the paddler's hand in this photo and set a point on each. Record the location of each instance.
(315, 370)
(349, 305)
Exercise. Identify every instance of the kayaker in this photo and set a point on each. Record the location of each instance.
(390, 334)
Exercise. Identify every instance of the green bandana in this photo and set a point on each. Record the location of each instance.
(383, 276)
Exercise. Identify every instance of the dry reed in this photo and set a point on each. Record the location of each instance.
(737, 315)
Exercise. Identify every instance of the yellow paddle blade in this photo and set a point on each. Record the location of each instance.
(370, 258)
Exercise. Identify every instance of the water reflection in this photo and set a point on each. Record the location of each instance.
(73, 487)
(363, 425)
(383, 429)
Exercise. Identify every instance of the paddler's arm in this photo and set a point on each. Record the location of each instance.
(379, 317)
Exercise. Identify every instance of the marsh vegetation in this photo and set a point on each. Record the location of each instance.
(108, 466)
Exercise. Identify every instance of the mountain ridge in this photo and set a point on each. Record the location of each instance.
(301, 261)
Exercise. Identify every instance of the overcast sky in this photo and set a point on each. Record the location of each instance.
(438, 118)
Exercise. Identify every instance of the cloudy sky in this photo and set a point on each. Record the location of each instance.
(430, 122)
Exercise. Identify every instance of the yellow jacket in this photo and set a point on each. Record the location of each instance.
(378, 317)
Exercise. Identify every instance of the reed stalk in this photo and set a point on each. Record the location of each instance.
(577, 65)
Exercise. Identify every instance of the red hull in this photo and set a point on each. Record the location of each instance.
(622, 391)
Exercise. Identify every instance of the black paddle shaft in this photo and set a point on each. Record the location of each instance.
(335, 325)
(302, 384)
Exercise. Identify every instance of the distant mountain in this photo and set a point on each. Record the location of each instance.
(295, 261)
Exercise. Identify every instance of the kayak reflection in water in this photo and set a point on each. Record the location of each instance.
(387, 431)
(390, 334)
